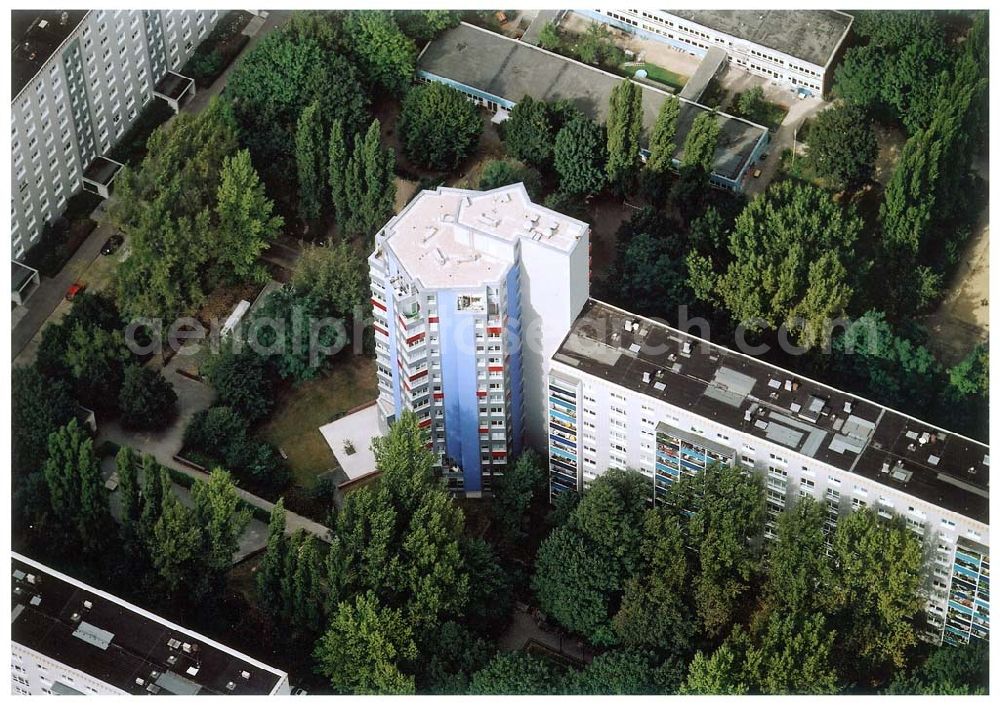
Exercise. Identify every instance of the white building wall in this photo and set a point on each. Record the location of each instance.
(554, 289)
(626, 438)
(749, 56)
(84, 99)
(33, 673)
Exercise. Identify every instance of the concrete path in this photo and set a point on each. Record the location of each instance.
(524, 629)
(781, 140)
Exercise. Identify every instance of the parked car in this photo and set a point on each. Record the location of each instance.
(112, 244)
(756, 173)
(75, 290)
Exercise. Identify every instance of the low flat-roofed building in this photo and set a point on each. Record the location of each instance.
(629, 392)
(796, 47)
(497, 72)
(70, 638)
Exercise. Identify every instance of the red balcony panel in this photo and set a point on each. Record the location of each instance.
(377, 304)
(425, 423)
(433, 319)
(439, 395)
(494, 330)
(378, 329)
(495, 368)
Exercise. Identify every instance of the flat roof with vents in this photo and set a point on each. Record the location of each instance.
(756, 397)
(123, 645)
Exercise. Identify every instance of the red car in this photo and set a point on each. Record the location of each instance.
(75, 290)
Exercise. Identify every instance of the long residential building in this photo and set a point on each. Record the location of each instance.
(496, 72)
(68, 638)
(80, 79)
(628, 392)
(794, 47)
(484, 328)
(471, 294)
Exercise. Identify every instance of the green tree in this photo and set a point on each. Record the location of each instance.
(362, 651)
(661, 141)
(176, 550)
(337, 162)
(723, 514)
(875, 594)
(311, 156)
(385, 55)
(790, 254)
(222, 516)
(39, 406)
(701, 141)
(581, 568)
(718, 673)
(842, 145)
(295, 333)
(147, 400)
(500, 173)
(246, 221)
(439, 126)
(130, 502)
(751, 104)
(68, 447)
(971, 376)
(528, 133)
(548, 37)
(335, 276)
(370, 185)
(96, 361)
(269, 571)
(799, 572)
(514, 492)
(425, 25)
(400, 537)
(623, 129)
(155, 485)
(654, 613)
(614, 672)
(514, 673)
(949, 669)
(241, 381)
(291, 68)
(580, 155)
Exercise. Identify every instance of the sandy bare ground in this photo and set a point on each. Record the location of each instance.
(962, 320)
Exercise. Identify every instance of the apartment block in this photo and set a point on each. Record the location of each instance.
(68, 638)
(471, 294)
(80, 78)
(628, 392)
(794, 47)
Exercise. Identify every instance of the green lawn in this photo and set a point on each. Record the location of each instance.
(661, 75)
(300, 411)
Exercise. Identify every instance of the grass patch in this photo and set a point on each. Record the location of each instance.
(800, 169)
(300, 411)
(660, 75)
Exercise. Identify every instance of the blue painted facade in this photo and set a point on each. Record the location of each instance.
(512, 348)
(459, 384)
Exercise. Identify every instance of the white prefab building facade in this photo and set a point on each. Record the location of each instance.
(627, 392)
(80, 80)
(794, 47)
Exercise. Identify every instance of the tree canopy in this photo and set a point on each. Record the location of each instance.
(439, 126)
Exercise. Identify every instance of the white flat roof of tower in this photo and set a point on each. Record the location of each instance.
(358, 429)
(453, 238)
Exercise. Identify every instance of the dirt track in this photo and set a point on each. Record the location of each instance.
(962, 320)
